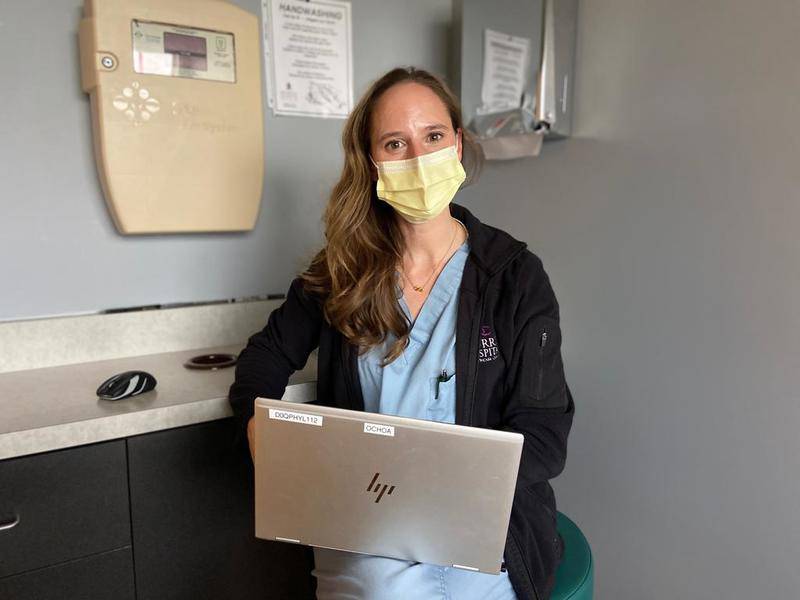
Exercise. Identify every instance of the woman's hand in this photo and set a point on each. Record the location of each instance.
(251, 436)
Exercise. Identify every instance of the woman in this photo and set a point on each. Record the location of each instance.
(421, 310)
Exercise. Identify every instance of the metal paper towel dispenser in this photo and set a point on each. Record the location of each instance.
(177, 113)
(545, 105)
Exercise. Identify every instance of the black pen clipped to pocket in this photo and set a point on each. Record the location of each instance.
(441, 379)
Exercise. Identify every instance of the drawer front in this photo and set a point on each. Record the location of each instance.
(106, 576)
(62, 505)
(193, 526)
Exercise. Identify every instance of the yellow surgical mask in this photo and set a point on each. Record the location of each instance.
(420, 188)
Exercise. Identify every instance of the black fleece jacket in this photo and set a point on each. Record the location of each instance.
(511, 376)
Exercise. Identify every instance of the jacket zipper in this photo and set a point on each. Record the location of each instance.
(542, 344)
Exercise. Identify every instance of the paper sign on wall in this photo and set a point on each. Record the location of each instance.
(308, 57)
(505, 71)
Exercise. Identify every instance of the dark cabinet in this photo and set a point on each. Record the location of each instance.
(63, 505)
(165, 515)
(104, 576)
(192, 520)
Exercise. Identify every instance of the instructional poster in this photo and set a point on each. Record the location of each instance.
(505, 69)
(308, 57)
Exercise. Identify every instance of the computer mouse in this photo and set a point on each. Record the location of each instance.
(125, 385)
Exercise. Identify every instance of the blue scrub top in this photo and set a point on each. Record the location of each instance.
(407, 387)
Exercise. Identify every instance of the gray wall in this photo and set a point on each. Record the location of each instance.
(59, 250)
(669, 226)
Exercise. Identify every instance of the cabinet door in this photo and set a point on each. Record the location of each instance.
(106, 576)
(61, 505)
(193, 524)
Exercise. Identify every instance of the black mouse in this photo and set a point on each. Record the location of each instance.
(125, 385)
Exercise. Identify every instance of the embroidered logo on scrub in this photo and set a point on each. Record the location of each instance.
(487, 348)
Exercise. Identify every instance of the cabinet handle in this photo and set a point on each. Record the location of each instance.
(9, 524)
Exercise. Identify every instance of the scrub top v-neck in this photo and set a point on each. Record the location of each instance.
(408, 387)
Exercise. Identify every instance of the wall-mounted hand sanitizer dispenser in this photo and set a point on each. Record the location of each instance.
(177, 113)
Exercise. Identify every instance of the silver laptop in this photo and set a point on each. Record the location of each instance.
(378, 484)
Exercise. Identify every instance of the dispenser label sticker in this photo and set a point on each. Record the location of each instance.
(295, 417)
(378, 429)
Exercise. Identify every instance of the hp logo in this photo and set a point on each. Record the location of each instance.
(380, 488)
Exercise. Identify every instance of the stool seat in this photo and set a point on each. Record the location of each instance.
(575, 574)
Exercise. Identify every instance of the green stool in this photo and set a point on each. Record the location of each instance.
(575, 574)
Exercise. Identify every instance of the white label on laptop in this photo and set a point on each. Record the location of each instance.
(295, 417)
(378, 429)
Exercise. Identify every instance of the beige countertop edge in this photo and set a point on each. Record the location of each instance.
(66, 435)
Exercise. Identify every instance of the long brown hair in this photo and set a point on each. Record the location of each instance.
(355, 272)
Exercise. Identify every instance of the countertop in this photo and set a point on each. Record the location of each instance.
(57, 407)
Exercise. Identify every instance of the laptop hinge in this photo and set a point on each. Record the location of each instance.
(465, 568)
(283, 539)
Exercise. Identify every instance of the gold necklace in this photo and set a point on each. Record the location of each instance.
(421, 288)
